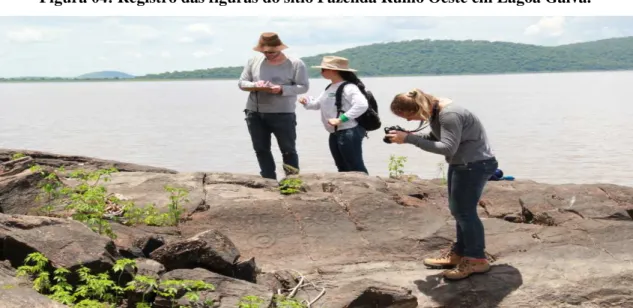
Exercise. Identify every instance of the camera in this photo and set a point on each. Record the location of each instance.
(392, 128)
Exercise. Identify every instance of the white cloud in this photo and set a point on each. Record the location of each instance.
(140, 32)
(141, 45)
(117, 42)
(552, 26)
(206, 53)
(134, 54)
(186, 39)
(200, 28)
(32, 35)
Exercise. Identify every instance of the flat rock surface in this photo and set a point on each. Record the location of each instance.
(349, 227)
(149, 188)
(555, 245)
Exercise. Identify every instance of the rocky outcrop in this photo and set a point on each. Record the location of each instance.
(210, 249)
(19, 191)
(71, 162)
(351, 240)
(65, 243)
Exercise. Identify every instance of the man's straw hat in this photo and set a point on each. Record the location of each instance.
(335, 63)
(269, 41)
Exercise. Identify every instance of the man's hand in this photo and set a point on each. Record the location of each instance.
(334, 121)
(303, 100)
(275, 89)
(262, 83)
(397, 136)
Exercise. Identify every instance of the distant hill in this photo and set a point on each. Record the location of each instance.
(449, 57)
(106, 75)
(432, 57)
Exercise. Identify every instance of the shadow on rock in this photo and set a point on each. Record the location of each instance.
(480, 291)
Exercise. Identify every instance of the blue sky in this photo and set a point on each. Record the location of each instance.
(71, 46)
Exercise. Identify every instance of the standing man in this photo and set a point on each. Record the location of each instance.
(274, 81)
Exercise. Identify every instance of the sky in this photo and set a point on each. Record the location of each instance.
(71, 46)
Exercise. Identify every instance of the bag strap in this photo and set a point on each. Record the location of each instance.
(339, 98)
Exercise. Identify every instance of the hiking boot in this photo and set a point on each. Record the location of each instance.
(467, 267)
(448, 259)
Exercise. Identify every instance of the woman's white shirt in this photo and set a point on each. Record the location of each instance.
(353, 102)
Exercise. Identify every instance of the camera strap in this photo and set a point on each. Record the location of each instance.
(425, 124)
(420, 127)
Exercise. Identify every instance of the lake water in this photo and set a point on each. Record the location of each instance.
(556, 128)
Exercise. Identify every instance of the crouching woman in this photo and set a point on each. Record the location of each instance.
(459, 135)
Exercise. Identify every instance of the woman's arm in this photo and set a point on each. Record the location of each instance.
(426, 135)
(358, 101)
(314, 104)
(451, 132)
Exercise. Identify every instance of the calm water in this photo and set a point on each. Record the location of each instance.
(556, 128)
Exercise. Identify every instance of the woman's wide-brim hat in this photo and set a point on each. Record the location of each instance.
(335, 63)
(269, 41)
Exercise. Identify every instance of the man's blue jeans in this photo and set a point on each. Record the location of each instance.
(465, 186)
(346, 147)
(261, 127)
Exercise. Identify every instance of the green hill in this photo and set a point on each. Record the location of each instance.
(448, 57)
(106, 75)
(432, 57)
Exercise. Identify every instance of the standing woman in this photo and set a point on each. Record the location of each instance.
(346, 136)
(457, 134)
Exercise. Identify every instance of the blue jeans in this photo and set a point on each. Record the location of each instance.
(261, 126)
(465, 186)
(346, 147)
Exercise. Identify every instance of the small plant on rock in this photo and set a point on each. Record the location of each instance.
(279, 301)
(147, 215)
(36, 270)
(396, 165)
(282, 301)
(176, 197)
(51, 188)
(170, 288)
(17, 156)
(89, 202)
(99, 291)
(150, 216)
(442, 172)
(250, 301)
(289, 186)
(62, 290)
